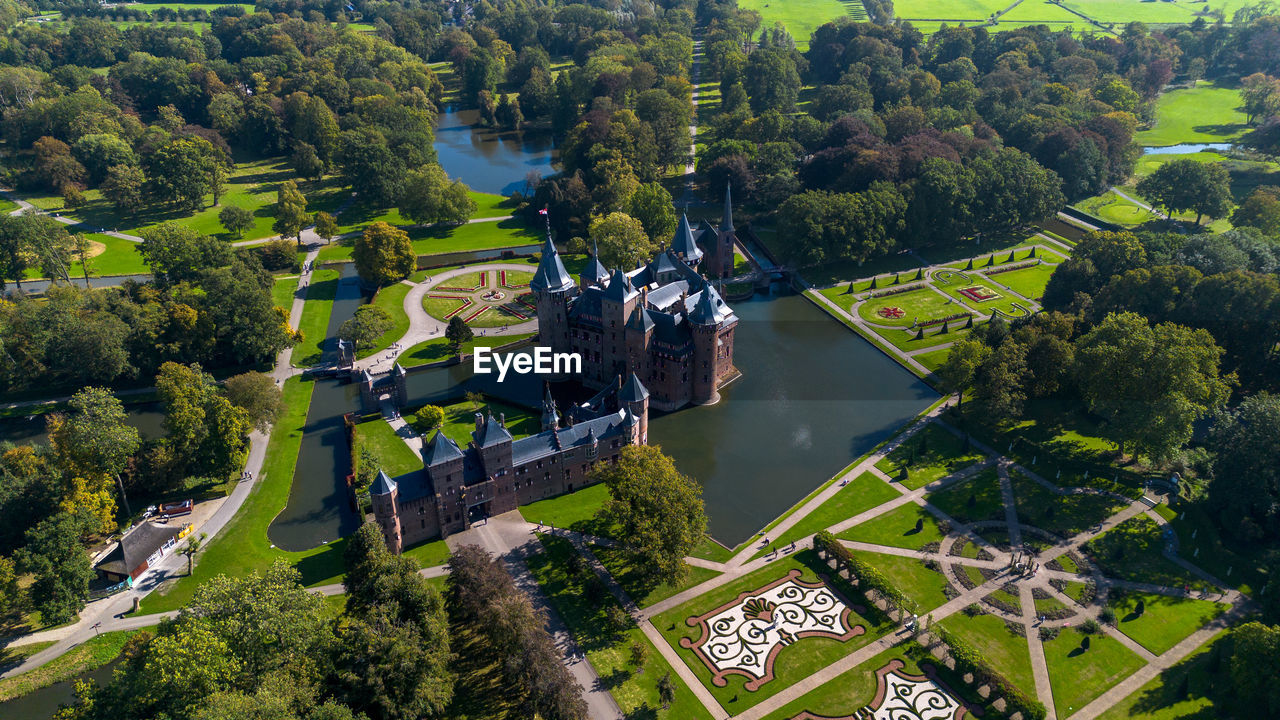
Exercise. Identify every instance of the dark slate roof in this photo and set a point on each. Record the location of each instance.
(671, 330)
(382, 485)
(710, 308)
(726, 221)
(664, 297)
(641, 319)
(551, 274)
(633, 390)
(588, 303)
(683, 243)
(440, 449)
(490, 433)
(136, 546)
(663, 263)
(548, 443)
(619, 287)
(595, 271)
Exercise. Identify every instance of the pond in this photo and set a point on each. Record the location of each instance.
(487, 160)
(44, 703)
(147, 417)
(1186, 149)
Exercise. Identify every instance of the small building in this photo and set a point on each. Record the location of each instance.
(137, 551)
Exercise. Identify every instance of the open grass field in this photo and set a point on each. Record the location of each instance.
(248, 9)
(1164, 620)
(115, 256)
(460, 420)
(924, 587)
(1113, 208)
(242, 547)
(607, 647)
(930, 455)
(908, 526)
(975, 499)
(391, 299)
(916, 306)
(1166, 697)
(1027, 282)
(1000, 646)
(949, 10)
(574, 510)
(801, 17)
(315, 317)
(282, 291)
(1041, 12)
(1203, 114)
(1078, 675)
(438, 349)
(380, 438)
(1146, 11)
(461, 238)
(933, 359)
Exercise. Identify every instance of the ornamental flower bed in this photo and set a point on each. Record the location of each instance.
(1011, 268)
(979, 293)
(896, 291)
(466, 303)
(938, 321)
(484, 282)
(524, 300)
(510, 310)
(891, 312)
(502, 279)
(476, 314)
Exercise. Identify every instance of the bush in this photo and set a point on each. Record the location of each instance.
(1107, 616)
(279, 255)
(1091, 627)
(1048, 633)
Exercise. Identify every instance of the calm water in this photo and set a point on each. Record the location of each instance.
(147, 417)
(43, 703)
(1185, 148)
(486, 160)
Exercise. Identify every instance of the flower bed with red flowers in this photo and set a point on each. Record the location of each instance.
(1011, 268)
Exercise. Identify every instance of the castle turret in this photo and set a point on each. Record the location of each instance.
(550, 418)
(683, 244)
(384, 493)
(595, 273)
(635, 398)
(552, 288)
(617, 303)
(726, 220)
(704, 322)
(493, 441)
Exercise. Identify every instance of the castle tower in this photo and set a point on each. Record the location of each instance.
(552, 288)
(683, 244)
(635, 398)
(385, 494)
(595, 272)
(442, 462)
(704, 323)
(492, 440)
(726, 219)
(550, 418)
(617, 303)
(400, 379)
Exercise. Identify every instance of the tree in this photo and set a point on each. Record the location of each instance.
(651, 204)
(1256, 646)
(194, 543)
(431, 197)
(666, 690)
(306, 162)
(370, 167)
(55, 165)
(383, 254)
(123, 187)
(458, 333)
(291, 211)
(428, 418)
(177, 253)
(772, 81)
(201, 424)
(1261, 209)
(94, 438)
(1184, 184)
(326, 225)
(99, 152)
(622, 240)
(236, 220)
(258, 395)
(1150, 384)
(826, 226)
(1246, 485)
(54, 554)
(658, 510)
(366, 326)
(180, 171)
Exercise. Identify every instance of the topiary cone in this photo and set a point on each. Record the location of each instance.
(873, 284)
(944, 329)
(970, 265)
(1011, 252)
(897, 278)
(969, 324)
(920, 333)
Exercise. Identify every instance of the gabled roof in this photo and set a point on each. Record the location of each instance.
(683, 243)
(551, 275)
(136, 546)
(710, 309)
(619, 287)
(382, 485)
(490, 433)
(633, 390)
(440, 449)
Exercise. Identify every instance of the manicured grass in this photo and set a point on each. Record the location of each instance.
(711, 550)
(1164, 621)
(283, 290)
(435, 241)
(242, 546)
(917, 305)
(460, 420)
(999, 645)
(90, 655)
(1133, 551)
(1113, 208)
(494, 316)
(1215, 553)
(933, 359)
(642, 592)
(1004, 302)
(792, 664)
(117, 257)
(1027, 282)
(1077, 675)
(931, 455)
(1203, 114)
(429, 553)
(1193, 688)
(924, 587)
(977, 498)
(438, 349)
(1048, 605)
(379, 437)
(801, 17)
(1041, 12)
(897, 528)
(1063, 515)
(315, 317)
(391, 299)
(607, 648)
(862, 493)
(574, 510)
(968, 10)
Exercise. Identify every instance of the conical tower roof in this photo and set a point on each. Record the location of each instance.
(551, 275)
(683, 243)
(726, 221)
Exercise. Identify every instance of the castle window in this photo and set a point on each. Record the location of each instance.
(424, 524)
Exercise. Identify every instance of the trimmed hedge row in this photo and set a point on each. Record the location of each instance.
(969, 660)
(868, 577)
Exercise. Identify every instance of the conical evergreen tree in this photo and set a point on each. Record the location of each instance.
(920, 334)
(1011, 253)
(944, 329)
(873, 284)
(970, 265)
(969, 324)
(897, 279)
(920, 274)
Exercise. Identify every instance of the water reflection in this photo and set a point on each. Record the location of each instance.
(487, 160)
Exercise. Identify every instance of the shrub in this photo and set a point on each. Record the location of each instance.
(1090, 627)
(1107, 616)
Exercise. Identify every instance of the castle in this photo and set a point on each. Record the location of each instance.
(657, 335)
(663, 321)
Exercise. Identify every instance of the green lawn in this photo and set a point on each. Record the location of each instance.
(441, 308)
(438, 349)
(607, 648)
(1041, 12)
(315, 316)
(793, 663)
(1164, 621)
(391, 299)
(924, 587)
(933, 359)
(862, 493)
(1113, 208)
(1078, 676)
(574, 510)
(1133, 551)
(801, 17)
(1003, 301)
(429, 553)
(242, 546)
(1000, 647)
(1203, 114)
(118, 257)
(642, 592)
(897, 528)
(283, 290)
(1027, 282)
(1063, 515)
(435, 241)
(1121, 12)
(977, 498)
(932, 454)
(90, 655)
(967, 10)
(1193, 688)
(917, 305)
(379, 437)
(460, 419)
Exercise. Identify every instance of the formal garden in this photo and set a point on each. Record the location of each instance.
(489, 298)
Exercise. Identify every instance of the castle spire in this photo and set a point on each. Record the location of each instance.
(550, 418)
(726, 222)
(683, 244)
(551, 275)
